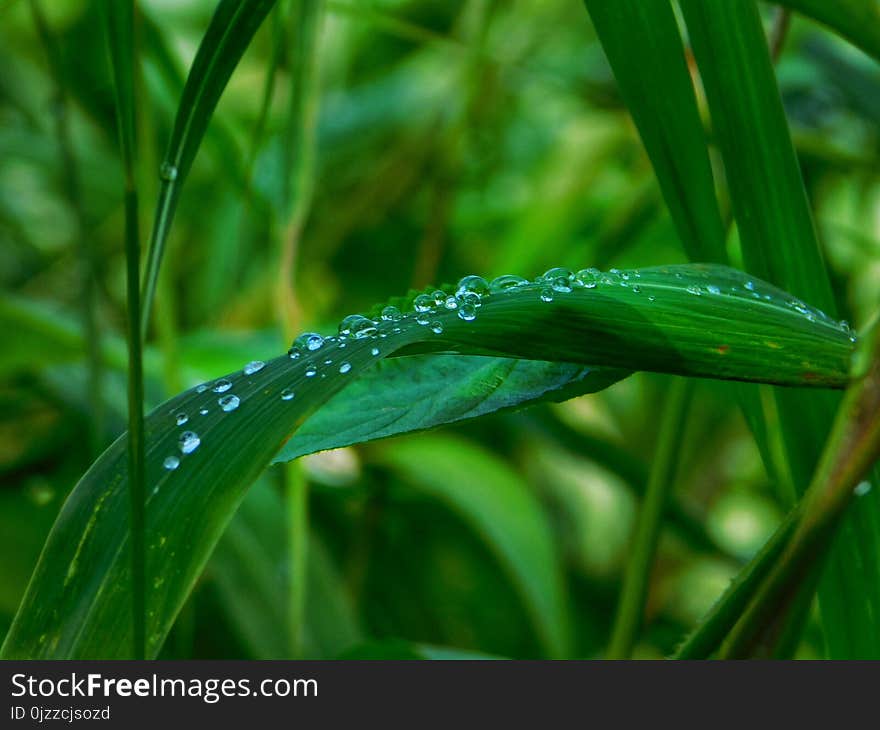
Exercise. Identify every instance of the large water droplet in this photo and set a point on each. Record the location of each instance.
(221, 386)
(189, 441)
(374, 351)
(437, 328)
(254, 366)
(558, 279)
(287, 394)
(423, 303)
(712, 289)
(391, 313)
(202, 388)
(588, 278)
(472, 284)
(229, 402)
(439, 297)
(310, 341)
(467, 312)
(167, 172)
(171, 463)
(546, 294)
(345, 367)
(451, 303)
(310, 371)
(357, 326)
(181, 418)
(422, 318)
(506, 281)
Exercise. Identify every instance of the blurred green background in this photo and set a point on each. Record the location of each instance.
(451, 138)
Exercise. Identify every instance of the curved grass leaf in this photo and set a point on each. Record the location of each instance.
(699, 320)
(504, 512)
(856, 20)
(230, 32)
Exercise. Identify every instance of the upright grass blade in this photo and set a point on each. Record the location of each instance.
(206, 446)
(852, 448)
(73, 191)
(631, 606)
(856, 20)
(779, 242)
(641, 41)
(123, 49)
(230, 32)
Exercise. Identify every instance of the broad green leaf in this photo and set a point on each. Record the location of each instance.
(641, 41)
(856, 20)
(207, 445)
(779, 243)
(406, 394)
(504, 512)
(230, 32)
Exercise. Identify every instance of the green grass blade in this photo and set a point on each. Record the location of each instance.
(856, 20)
(643, 46)
(230, 32)
(207, 445)
(122, 48)
(634, 591)
(779, 242)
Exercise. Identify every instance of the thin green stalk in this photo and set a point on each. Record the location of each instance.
(297, 493)
(122, 48)
(631, 607)
(73, 192)
(298, 151)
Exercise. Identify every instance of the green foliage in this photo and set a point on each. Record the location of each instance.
(338, 154)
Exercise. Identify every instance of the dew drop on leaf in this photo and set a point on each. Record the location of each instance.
(506, 282)
(287, 394)
(229, 402)
(189, 441)
(391, 313)
(181, 418)
(344, 367)
(467, 312)
(254, 366)
(221, 386)
(171, 463)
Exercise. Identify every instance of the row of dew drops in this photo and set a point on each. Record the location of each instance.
(465, 302)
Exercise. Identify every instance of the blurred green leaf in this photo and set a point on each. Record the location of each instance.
(856, 20)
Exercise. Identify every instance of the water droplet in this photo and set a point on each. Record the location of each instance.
(693, 289)
(546, 294)
(374, 351)
(221, 386)
(204, 411)
(423, 303)
(437, 328)
(357, 326)
(189, 441)
(202, 388)
(636, 289)
(472, 285)
(652, 298)
(422, 318)
(294, 352)
(439, 297)
(750, 285)
(181, 418)
(558, 278)
(287, 394)
(171, 463)
(391, 313)
(167, 172)
(345, 367)
(506, 282)
(310, 371)
(712, 289)
(451, 303)
(254, 366)
(862, 488)
(229, 402)
(467, 312)
(588, 278)
(310, 341)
